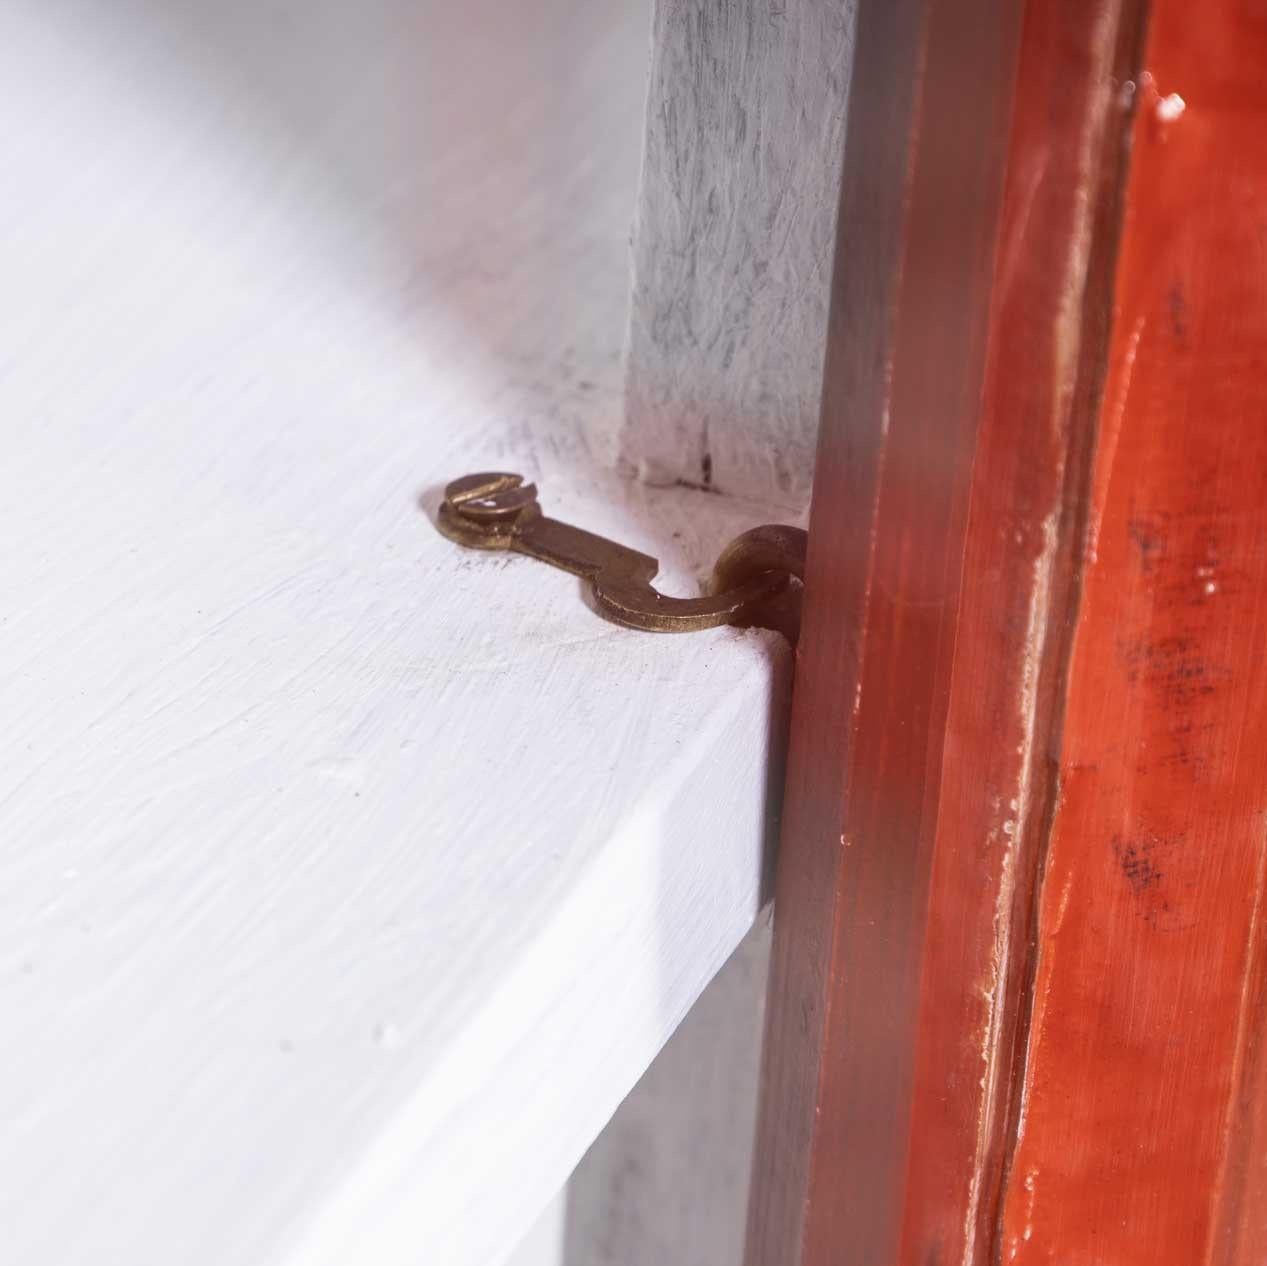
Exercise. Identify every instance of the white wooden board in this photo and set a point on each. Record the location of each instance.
(667, 1180)
(733, 243)
(348, 880)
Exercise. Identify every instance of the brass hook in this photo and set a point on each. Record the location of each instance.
(755, 581)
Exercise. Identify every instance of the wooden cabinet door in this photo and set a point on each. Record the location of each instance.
(1017, 994)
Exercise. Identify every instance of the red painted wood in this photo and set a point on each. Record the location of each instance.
(1048, 323)
(890, 504)
(1140, 1126)
(954, 445)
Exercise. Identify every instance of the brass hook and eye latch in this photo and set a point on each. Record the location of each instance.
(756, 582)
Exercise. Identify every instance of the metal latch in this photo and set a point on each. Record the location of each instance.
(755, 583)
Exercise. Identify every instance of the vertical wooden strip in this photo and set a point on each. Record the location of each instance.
(862, 1150)
(915, 257)
(732, 243)
(955, 437)
(1140, 1126)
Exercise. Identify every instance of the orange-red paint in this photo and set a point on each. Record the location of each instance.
(1036, 599)
(1139, 1134)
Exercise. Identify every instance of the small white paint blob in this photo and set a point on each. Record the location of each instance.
(1170, 107)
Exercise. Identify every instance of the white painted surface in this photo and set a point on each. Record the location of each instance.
(667, 1180)
(545, 1244)
(734, 242)
(348, 880)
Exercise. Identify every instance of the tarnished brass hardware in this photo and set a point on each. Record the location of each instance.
(756, 581)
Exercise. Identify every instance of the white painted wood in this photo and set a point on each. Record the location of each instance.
(733, 243)
(667, 1180)
(545, 1244)
(348, 880)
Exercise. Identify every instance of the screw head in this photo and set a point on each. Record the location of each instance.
(492, 495)
(486, 510)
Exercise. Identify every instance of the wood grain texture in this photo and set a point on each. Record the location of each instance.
(348, 880)
(955, 444)
(1140, 1137)
(732, 243)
